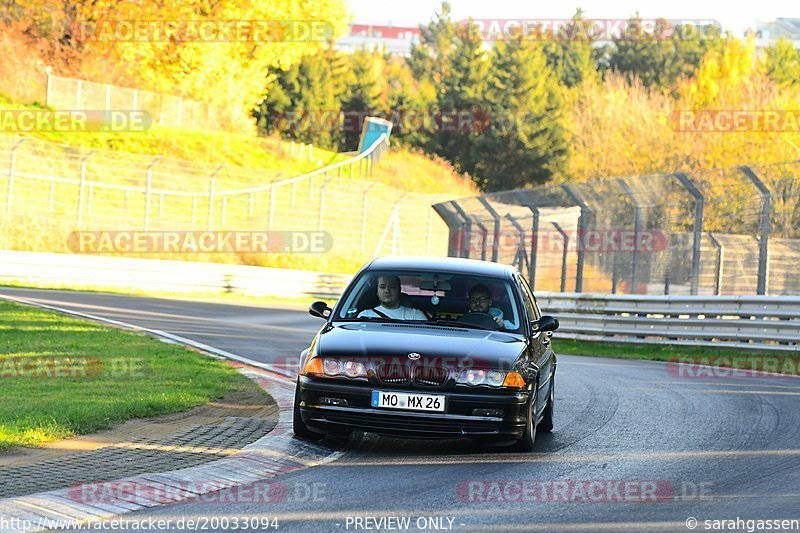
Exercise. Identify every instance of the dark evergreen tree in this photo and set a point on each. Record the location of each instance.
(526, 143)
(783, 63)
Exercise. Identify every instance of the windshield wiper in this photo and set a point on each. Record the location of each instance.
(456, 323)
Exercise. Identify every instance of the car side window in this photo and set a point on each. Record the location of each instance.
(527, 299)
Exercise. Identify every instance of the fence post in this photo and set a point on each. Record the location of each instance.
(637, 231)
(697, 228)
(364, 203)
(429, 233)
(49, 87)
(522, 199)
(466, 236)
(211, 186)
(180, 110)
(583, 224)
(11, 168)
(720, 261)
(321, 216)
(764, 229)
(563, 256)
(148, 192)
(520, 262)
(454, 227)
(496, 217)
(81, 188)
(271, 216)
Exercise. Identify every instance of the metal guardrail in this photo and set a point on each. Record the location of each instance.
(754, 322)
(77, 271)
(762, 322)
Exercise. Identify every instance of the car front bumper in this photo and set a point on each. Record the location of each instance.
(457, 421)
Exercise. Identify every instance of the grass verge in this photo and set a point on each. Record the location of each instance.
(738, 358)
(214, 297)
(63, 376)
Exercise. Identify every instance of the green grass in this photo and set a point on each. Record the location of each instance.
(63, 376)
(216, 297)
(664, 352)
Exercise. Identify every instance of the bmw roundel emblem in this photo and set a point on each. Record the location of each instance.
(413, 356)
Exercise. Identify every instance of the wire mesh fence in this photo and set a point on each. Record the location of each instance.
(728, 231)
(164, 109)
(50, 191)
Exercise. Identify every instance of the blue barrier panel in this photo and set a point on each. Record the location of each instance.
(371, 132)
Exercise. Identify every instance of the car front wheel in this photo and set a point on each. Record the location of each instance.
(525, 443)
(298, 426)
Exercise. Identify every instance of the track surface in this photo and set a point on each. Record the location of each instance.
(714, 448)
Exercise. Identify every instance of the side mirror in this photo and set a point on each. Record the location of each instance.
(320, 309)
(546, 323)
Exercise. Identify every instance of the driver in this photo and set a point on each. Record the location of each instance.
(389, 297)
(480, 301)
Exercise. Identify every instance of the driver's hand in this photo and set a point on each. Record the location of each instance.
(498, 320)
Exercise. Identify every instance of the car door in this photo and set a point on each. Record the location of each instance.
(540, 352)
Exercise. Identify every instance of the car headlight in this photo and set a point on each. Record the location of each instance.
(495, 378)
(491, 378)
(331, 367)
(354, 369)
(335, 368)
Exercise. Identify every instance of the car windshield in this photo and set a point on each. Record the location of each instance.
(432, 297)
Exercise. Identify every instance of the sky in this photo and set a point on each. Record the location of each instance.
(735, 15)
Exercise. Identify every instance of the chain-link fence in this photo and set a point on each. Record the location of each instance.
(49, 191)
(730, 231)
(165, 109)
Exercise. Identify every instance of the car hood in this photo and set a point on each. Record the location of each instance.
(477, 348)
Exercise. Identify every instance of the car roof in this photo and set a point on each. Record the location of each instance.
(453, 265)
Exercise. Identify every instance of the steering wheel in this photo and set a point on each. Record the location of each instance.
(479, 319)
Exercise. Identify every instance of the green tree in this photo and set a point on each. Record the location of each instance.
(526, 143)
(570, 52)
(303, 102)
(365, 93)
(461, 102)
(782, 63)
(429, 59)
(661, 54)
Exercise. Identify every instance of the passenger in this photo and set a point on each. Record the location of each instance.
(480, 301)
(389, 296)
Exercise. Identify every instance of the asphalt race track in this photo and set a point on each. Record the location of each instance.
(637, 446)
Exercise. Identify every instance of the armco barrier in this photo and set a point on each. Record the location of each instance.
(762, 322)
(65, 270)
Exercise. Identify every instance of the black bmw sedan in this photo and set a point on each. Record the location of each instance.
(430, 348)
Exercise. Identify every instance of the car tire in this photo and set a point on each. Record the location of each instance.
(525, 443)
(546, 424)
(298, 426)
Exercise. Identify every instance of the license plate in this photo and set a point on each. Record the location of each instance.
(404, 400)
